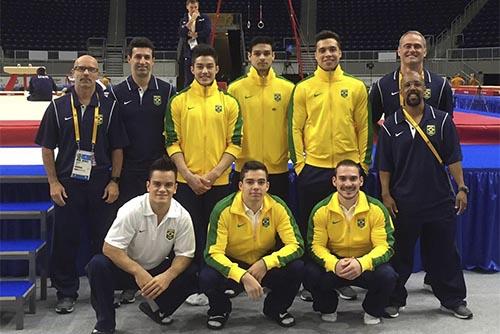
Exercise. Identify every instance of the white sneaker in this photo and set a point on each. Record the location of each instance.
(197, 299)
(370, 320)
(329, 317)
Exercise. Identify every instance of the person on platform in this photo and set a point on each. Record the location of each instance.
(41, 86)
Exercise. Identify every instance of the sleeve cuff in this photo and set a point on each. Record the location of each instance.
(270, 261)
(171, 150)
(236, 273)
(233, 150)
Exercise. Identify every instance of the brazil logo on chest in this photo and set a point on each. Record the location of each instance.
(361, 223)
(99, 119)
(344, 93)
(427, 94)
(430, 129)
(265, 222)
(157, 100)
(170, 234)
(277, 97)
(218, 108)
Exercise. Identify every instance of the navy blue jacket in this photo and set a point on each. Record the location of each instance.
(41, 87)
(203, 28)
(384, 95)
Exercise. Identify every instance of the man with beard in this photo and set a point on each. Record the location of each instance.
(263, 97)
(415, 145)
(85, 127)
(350, 239)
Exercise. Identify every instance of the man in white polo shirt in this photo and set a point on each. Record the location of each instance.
(137, 253)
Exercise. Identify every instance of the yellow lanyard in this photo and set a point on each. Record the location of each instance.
(77, 126)
(423, 135)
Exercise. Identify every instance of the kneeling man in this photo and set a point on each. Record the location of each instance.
(253, 240)
(350, 239)
(137, 253)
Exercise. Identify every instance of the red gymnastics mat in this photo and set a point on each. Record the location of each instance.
(18, 133)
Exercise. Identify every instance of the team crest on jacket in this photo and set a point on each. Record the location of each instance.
(170, 234)
(218, 108)
(277, 97)
(265, 222)
(427, 94)
(430, 130)
(344, 93)
(157, 100)
(99, 119)
(361, 223)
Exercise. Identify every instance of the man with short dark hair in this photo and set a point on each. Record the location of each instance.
(263, 97)
(41, 86)
(137, 253)
(329, 122)
(252, 240)
(85, 127)
(415, 144)
(194, 29)
(350, 239)
(203, 137)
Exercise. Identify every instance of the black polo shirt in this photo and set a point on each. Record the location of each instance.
(418, 181)
(41, 87)
(57, 130)
(143, 118)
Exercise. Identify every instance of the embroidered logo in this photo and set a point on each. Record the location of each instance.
(344, 93)
(170, 234)
(157, 100)
(361, 223)
(430, 130)
(336, 222)
(218, 108)
(99, 119)
(277, 97)
(265, 222)
(427, 94)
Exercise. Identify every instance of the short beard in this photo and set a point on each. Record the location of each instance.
(413, 102)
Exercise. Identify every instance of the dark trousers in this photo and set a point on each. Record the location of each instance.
(437, 232)
(200, 207)
(84, 209)
(279, 184)
(105, 277)
(188, 75)
(132, 184)
(322, 284)
(283, 282)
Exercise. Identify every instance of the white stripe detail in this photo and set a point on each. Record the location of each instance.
(57, 114)
(442, 125)
(156, 83)
(113, 92)
(128, 85)
(429, 75)
(433, 113)
(441, 92)
(111, 115)
(386, 130)
(381, 95)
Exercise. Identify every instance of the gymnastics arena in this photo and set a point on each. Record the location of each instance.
(462, 40)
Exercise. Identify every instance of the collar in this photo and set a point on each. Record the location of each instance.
(204, 91)
(328, 76)
(238, 207)
(152, 84)
(94, 101)
(426, 74)
(249, 211)
(429, 113)
(173, 212)
(360, 207)
(261, 81)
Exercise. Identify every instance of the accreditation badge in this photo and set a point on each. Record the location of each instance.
(82, 166)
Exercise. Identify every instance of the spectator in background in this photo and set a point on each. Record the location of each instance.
(473, 80)
(41, 86)
(457, 81)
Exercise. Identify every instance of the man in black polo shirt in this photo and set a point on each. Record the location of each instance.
(143, 99)
(89, 135)
(41, 86)
(417, 191)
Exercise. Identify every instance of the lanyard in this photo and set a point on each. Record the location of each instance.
(77, 126)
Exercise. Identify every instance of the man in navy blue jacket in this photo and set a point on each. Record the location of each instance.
(194, 29)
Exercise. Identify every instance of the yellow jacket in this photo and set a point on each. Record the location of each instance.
(231, 235)
(367, 237)
(330, 120)
(203, 123)
(264, 103)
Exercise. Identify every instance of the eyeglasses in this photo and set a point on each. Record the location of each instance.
(85, 68)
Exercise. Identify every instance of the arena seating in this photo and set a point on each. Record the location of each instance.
(483, 30)
(377, 25)
(29, 25)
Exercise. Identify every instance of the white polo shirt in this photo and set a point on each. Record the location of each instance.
(135, 229)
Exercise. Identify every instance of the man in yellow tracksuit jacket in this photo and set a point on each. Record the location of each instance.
(350, 239)
(242, 246)
(263, 97)
(203, 137)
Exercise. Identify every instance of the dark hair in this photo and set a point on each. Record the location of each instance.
(348, 163)
(140, 42)
(191, 1)
(204, 50)
(163, 164)
(260, 40)
(252, 165)
(40, 70)
(325, 34)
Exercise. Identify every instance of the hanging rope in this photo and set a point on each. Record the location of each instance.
(294, 22)
(260, 25)
(214, 25)
(249, 24)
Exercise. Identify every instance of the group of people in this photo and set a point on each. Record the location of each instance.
(178, 228)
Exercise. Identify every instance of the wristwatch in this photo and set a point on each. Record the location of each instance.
(464, 188)
(115, 179)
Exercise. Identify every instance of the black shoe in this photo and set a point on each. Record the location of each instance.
(347, 293)
(460, 311)
(127, 296)
(217, 322)
(306, 296)
(283, 319)
(392, 311)
(65, 305)
(96, 331)
(157, 316)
